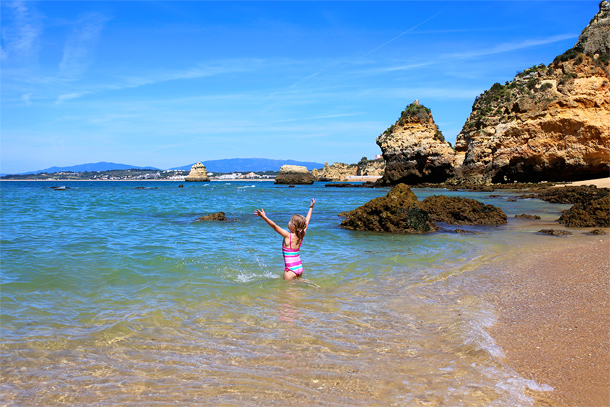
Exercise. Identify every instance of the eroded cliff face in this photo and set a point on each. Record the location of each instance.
(550, 123)
(414, 149)
(335, 172)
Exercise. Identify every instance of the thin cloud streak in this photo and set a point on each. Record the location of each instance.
(21, 37)
(78, 54)
(511, 46)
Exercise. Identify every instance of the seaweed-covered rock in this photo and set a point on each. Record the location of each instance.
(526, 216)
(462, 211)
(597, 232)
(214, 216)
(569, 194)
(592, 213)
(555, 232)
(397, 212)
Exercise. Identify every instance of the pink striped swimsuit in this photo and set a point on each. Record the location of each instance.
(292, 260)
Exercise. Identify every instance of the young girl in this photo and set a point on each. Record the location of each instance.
(292, 240)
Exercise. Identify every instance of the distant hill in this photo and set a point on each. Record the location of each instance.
(249, 165)
(101, 166)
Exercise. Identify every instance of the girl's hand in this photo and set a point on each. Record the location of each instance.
(260, 212)
(313, 202)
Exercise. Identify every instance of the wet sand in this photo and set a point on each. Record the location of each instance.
(554, 318)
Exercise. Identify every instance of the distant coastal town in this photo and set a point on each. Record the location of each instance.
(135, 174)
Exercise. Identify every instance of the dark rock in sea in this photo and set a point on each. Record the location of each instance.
(367, 184)
(494, 196)
(462, 231)
(180, 186)
(397, 212)
(597, 232)
(511, 200)
(554, 232)
(214, 216)
(462, 211)
(569, 194)
(526, 216)
(592, 213)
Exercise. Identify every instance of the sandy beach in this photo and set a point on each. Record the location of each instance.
(554, 318)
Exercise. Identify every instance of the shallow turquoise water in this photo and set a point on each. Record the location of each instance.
(117, 295)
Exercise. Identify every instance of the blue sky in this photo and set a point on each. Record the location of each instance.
(165, 84)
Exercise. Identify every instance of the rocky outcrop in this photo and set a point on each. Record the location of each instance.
(569, 194)
(397, 212)
(215, 216)
(198, 173)
(335, 172)
(294, 174)
(415, 150)
(549, 123)
(462, 211)
(371, 168)
(594, 38)
(592, 213)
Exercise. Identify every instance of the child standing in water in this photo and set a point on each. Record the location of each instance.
(293, 237)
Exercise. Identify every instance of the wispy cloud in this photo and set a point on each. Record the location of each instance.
(21, 35)
(156, 77)
(78, 52)
(510, 46)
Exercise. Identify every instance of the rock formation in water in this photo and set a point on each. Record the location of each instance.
(415, 150)
(294, 174)
(198, 173)
(549, 123)
(397, 212)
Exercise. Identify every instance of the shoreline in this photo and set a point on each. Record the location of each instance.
(553, 307)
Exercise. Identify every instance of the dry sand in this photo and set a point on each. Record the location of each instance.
(600, 183)
(554, 319)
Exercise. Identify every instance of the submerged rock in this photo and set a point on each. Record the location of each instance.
(598, 232)
(214, 216)
(555, 232)
(397, 212)
(462, 211)
(526, 216)
(294, 174)
(592, 213)
(569, 194)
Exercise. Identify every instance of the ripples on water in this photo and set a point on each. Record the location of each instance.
(117, 295)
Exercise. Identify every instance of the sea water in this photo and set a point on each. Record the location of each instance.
(113, 293)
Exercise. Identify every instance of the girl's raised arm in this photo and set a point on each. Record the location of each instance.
(308, 217)
(261, 213)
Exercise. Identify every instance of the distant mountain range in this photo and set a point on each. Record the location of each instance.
(226, 165)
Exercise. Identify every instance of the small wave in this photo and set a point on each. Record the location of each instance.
(247, 186)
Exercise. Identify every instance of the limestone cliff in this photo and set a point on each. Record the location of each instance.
(371, 168)
(335, 172)
(549, 123)
(414, 149)
(198, 173)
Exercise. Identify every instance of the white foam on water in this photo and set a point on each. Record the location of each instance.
(512, 386)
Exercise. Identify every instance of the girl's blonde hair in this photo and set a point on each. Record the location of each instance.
(299, 224)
